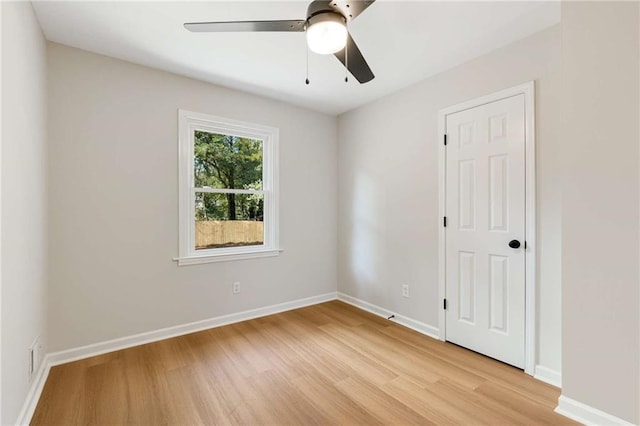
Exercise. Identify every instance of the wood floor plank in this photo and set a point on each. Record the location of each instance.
(191, 396)
(324, 364)
(438, 410)
(508, 376)
(326, 398)
(384, 407)
(404, 358)
(505, 400)
(69, 378)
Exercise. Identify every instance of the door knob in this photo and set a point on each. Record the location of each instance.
(514, 244)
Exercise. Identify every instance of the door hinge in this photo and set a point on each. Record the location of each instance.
(445, 139)
(444, 305)
(445, 221)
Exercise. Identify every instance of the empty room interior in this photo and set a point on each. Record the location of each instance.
(325, 212)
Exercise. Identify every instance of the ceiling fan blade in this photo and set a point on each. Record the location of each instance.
(355, 63)
(350, 9)
(245, 26)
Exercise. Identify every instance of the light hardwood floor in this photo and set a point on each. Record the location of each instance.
(325, 364)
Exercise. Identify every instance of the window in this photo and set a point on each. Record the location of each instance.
(228, 189)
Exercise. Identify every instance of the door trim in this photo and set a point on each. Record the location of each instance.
(528, 90)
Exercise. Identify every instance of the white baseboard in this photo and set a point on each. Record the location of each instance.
(548, 375)
(87, 351)
(33, 396)
(82, 352)
(586, 414)
(418, 326)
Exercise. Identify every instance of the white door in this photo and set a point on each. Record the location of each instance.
(485, 209)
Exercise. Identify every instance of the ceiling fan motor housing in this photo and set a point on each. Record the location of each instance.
(325, 16)
(320, 11)
(321, 7)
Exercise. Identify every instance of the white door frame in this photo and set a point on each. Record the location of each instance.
(528, 90)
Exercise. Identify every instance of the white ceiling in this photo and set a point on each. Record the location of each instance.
(403, 42)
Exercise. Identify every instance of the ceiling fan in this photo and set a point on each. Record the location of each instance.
(326, 28)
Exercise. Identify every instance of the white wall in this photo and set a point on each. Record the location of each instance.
(24, 199)
(388, 193)
(600, 244)
(113, 183)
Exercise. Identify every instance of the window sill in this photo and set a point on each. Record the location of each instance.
(226, 257)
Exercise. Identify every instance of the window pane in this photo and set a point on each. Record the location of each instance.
(229, 220)
(223, 161)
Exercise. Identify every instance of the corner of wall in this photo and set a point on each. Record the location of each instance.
(23, 171)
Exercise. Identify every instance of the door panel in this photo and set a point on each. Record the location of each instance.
(498, 206)
(485, 207)
(467, 204)
(499, 291)
(466, 287)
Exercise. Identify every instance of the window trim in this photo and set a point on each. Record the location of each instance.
(188, 122)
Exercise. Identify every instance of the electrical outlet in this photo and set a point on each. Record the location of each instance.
(405, 290)
(236, 287)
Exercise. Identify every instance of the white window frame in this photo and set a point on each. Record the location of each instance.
(188, 123)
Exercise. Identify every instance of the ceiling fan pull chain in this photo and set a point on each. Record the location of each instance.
(307, 80)
(346, 58)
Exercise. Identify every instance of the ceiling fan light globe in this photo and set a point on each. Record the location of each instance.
(326, 36)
